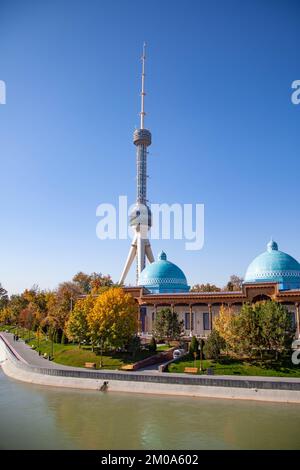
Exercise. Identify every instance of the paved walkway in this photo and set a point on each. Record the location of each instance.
(32, 357)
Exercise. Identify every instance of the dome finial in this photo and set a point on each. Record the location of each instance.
(272, 245)
(162, 255)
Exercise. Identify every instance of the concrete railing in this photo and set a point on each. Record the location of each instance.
(162, 378)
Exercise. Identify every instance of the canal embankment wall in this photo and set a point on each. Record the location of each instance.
(246, 388)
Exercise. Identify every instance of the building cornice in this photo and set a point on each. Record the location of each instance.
(247, 294)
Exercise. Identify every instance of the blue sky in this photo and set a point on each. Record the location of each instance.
(225, 132)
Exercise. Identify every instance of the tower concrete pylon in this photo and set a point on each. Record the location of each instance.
(140, 216)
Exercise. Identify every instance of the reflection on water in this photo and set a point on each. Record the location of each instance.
(34, 417)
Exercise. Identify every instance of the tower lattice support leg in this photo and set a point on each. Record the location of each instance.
(130, 258)
(148, 251)
(140, 254)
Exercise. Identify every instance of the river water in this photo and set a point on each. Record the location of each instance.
(36, 417)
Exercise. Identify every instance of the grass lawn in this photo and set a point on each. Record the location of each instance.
(72, 355)
(228, 366)
(162, 347)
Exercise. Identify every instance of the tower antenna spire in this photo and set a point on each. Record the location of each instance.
(143, 93)
(140, 216)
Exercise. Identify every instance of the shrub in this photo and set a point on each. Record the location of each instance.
(134, 345)
(152, 345)
(167, 325)
(213, 345)
(194, 346)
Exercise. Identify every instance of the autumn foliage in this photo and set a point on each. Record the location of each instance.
(224, 325)
(114, 318)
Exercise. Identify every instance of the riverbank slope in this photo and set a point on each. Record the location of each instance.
(18, 361)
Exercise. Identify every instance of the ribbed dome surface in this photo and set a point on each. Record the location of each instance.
(275, 266)
(163, 276)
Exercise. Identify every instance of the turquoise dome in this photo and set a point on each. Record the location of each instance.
(162, 276)
(275, 266)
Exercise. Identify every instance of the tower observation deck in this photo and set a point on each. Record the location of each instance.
(140, 217)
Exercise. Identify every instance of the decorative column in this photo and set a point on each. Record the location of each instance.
(191, 320)
(155, 312)
(297, 320)
(210, 316)
(139, 320)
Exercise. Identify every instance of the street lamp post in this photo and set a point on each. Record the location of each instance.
(195, 357)
(201, 356)
(38, 340)
(51, 337)
(52, 346)
(101, 354)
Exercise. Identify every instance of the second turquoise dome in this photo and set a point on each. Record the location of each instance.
(162, 276)
(275, 266)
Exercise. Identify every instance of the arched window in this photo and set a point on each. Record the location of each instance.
(260, 298)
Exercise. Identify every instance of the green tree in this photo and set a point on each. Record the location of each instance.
(194, 346)
(247, 330)
(77, 327)
(3, 297)
(277, 329)
(27, 315)
(5, 316)
(37, 299)
(235, 283)
(16, 304)
(263, 326)
(213, 345)
(100, 283)
(167, 326)
(83, 280)
(205, 288)
(95, 282)
(59, 306)
(134, 345)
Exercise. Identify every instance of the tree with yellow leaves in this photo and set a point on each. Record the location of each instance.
(77, 327)
(224, 324)
(114, 319)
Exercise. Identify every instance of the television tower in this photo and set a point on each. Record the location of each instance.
(140, 217)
